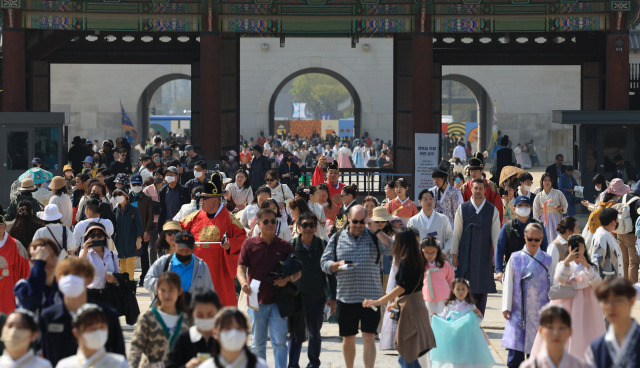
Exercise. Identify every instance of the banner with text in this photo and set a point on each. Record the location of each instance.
(426, 159)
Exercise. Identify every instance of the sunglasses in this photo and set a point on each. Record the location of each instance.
(306, 225)
(380, 222)
(95, 235)
(171, 232)
(534, 239)
(267, 222)
(269, 180)
(356, 222)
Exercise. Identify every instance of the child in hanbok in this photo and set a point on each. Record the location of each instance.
(402, 206)
(555, 329)
(508, 202)
(460, 342)
(577, 272)
(438, 276)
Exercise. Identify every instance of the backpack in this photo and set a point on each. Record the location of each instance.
(376, 242)
(625, 220)
(594, 218)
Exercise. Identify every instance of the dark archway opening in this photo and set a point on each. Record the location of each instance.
(357, 107)
(144, 103)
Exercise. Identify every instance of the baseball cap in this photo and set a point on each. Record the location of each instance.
(173, 169)
(522, 199)
(136, 179)
(36, 160)
(184, 239)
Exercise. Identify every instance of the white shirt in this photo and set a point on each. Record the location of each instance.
(28, 360)
(460, 152)
(437, 223)
(283, 231)
(101, 359)
(42, 195)
(553, 251)
(459, 226)
(81, 228)
(248, 214)
(109, 263)
(478, 208)
(186, 210)
(57, 230)
(65, 207)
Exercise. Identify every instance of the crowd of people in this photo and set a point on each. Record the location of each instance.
(256, 249)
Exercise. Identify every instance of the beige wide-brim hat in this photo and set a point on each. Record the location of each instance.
(56, 183)
(171, 225)
(27, 184)
(381, 214)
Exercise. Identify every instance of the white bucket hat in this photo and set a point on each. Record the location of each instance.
(50, 213)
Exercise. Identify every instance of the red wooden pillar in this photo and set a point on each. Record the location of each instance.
(13, 62)
(211, 132)
(617, 64)
(422, 80)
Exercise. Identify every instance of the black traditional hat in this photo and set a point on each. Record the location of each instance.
(442, 171)
(477, 162)
(333, 166)
(213, 188)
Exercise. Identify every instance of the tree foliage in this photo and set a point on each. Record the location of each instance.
(322, 94)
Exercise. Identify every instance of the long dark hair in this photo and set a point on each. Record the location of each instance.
(224, 319)
(574, 241)
(24, 226)
(247, 183)
(405, 249)
(544, 176)
(324, 187)
(173, 279)
(452, 297)
(162, 246)
(270, 202)
(431, 241)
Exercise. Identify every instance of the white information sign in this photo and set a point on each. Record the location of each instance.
(426, 159)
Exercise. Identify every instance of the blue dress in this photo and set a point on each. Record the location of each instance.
(459, 338)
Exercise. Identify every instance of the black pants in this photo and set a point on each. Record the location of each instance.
(144, 261)
(515, 358)
(481, 302)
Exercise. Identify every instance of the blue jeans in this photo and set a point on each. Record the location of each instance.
(268, 318)
(313, 314)
(403, 363)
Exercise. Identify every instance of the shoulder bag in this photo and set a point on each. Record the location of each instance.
(63, 248)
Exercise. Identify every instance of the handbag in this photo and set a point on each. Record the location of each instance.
(557, 292)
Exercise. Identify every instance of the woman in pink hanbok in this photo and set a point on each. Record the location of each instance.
(577, 272)
(344, 157)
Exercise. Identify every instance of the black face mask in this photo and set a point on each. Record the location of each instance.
(94, 196)
(182, 258)
(98, 243)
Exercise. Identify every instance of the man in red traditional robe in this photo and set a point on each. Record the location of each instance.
(14, 265)
(210, 224)
(333, 179)
(476, 168)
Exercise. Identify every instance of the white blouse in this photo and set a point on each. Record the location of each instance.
(102, 265)
(28, 360)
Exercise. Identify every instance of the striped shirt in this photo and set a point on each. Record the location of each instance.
(363, 282)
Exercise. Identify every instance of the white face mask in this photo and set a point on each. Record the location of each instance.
(527, 188)
(598, 187)
(136, 188)
(71, 285)
(233, 340)
(231, 158)
(94, 340)
(198, 174)
(15, 338)
(204, 324)
(170, 179)
(120, 199)
(523, 211)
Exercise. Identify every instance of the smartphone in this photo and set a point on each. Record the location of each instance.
(330, 159)
(575, 246)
